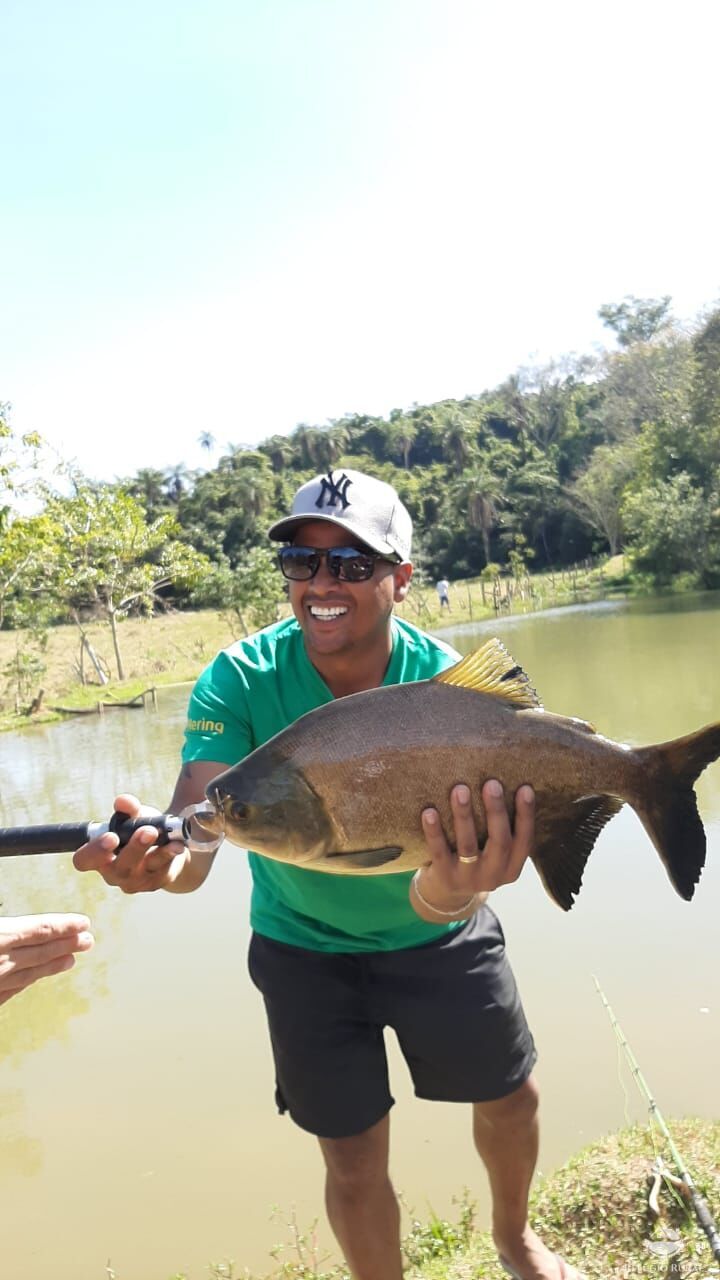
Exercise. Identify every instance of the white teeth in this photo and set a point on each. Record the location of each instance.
(319, 611)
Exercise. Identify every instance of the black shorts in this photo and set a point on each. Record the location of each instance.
(452, 1003)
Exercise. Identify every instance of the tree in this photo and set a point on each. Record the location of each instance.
(479, 494)
(251, 592)
(306, 441)
(150, 487)
(177, 481)
(706, 384)
(401, 434)
(459, 441)
(636, 319)
(533, 495)
(673, 529)
(280, 451)
(647, 382)
(599, 492)
(19, 456)
(223, 515)
(330, 444)
(111, 561)
(28, 567)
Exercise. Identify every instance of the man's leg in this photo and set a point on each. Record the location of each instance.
(506, 1136)
(361, 1203)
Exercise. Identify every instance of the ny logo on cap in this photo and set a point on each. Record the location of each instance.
(334, 491)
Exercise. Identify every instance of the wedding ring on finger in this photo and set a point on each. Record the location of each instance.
(474, 858)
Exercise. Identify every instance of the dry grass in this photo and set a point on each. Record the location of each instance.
(172, 648)
(166, 649)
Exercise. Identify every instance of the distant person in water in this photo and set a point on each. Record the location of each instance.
(34, 947)
(443, 589)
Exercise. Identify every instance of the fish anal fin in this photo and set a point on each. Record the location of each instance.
(561, 860)
(367, 857)
(492, 670)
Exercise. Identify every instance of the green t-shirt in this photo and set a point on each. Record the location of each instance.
(250, 692)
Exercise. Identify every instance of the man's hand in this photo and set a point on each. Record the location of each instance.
(33, 947)
(451, 879)
(141, 866)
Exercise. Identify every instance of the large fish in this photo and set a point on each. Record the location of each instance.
(342, 789)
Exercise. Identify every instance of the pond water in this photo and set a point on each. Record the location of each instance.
(138, 1135)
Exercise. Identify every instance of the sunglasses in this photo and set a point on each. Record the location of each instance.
(347, 564)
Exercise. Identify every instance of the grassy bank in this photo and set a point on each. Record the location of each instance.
(172, 648)
(595, 1211)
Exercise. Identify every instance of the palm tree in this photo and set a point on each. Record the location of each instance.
(207, 441)
(330, 445)
(149, 487)
(478, 493)
(177, 479)
(459, 440)
(305, 440)
(280, 451)
(401, 437)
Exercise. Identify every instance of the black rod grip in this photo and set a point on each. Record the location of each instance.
(54, 837)
(65, 837)
(167, 826)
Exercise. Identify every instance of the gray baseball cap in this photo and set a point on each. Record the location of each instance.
(368, 508)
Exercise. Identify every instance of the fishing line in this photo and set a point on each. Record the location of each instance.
(700, 1206)
(621, 1081)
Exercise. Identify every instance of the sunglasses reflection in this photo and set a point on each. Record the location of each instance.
(348, 564)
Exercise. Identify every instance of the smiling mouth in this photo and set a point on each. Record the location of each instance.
(327, 613)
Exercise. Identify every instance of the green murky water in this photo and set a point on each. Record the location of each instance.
(137, 1126)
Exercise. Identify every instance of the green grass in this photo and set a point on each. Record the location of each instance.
(594, 1210)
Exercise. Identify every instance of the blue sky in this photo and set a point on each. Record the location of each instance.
(235, 217)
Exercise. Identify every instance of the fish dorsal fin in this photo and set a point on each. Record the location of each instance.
(492, 670)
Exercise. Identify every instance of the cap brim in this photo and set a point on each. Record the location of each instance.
(284, 530)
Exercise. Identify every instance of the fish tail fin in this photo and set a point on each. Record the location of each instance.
(668, 807)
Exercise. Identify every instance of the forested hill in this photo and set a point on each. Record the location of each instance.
(592, 455)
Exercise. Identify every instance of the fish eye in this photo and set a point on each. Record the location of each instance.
(239, 812)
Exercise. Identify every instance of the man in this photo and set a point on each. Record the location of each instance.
(34, 947)
(443, 589)
(339, 957)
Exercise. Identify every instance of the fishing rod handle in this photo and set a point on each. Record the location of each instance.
(65, 837)
(707, 1222)
(54, 837)
(168, 826)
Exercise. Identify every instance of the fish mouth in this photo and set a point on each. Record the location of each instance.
(222, 813)
(210, 816)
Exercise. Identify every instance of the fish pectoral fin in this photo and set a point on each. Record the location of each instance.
(561, 860)
(367, 857)
(492, 670)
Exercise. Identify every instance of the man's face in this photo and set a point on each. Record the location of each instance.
(338, 617)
